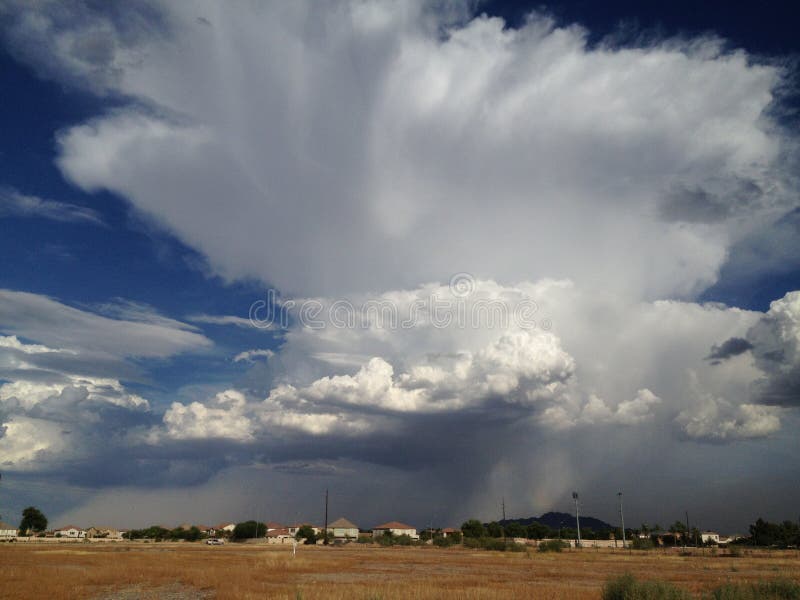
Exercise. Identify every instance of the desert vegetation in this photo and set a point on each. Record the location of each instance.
(185, 570)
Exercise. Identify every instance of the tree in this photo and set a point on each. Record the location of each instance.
(494, 529)
(249, 529)
(537, 531)
(33, 520)
(515, 530)
(306, 532)
(473, 529)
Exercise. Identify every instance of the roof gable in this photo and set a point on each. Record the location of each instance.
(342, 523)
(394, 525)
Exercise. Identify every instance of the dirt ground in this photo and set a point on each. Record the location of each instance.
(130, 571)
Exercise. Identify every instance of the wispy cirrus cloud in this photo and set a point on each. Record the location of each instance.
(233, 320)
(16, 204)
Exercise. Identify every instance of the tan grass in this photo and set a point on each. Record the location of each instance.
(234, 571)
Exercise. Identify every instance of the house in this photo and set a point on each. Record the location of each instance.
(396, 528)
(70, 531)
(710, 537)
(280, 536)
(343, 529)
(7, 532)
(293, 529)
(108, 533)
(449, 531)
(273, 526)
(727, 539)
(221, 529)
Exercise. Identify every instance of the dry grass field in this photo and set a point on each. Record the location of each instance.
(183, 571)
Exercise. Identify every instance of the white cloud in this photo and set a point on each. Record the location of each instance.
(595, 411)
(222, 418)
(717, 420)
(350, 141)
(251, 355)
(28, 394)
(50, 322)
(27, 444)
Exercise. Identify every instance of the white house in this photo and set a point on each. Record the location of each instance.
(70, 531)
(7, 532)
(396, 528)
(280, 536)
(221, 529)
(343, 529)
(108, 533)
(710, 536)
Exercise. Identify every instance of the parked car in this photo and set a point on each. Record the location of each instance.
(215, 542)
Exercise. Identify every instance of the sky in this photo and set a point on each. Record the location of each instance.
(430, 256)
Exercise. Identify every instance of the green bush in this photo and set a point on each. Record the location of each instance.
(779, 589)
(626, 587)
(444, 542)
(487, 543)
(553, 546)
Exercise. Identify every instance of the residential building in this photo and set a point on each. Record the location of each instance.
(7, 531)
(280, 536)
(449, 531)
(108, 533)
(343, 529)
(710, 537)
(70, 531)
(221, 529)
(293, 529)
(396, 528)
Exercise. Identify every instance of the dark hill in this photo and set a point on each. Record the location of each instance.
(554, 520)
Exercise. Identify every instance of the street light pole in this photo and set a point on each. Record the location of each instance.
(622, 519)
(577, 517)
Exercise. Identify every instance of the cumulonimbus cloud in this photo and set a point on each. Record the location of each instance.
(374, 147)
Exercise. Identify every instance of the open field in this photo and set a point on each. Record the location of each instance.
(183, 571)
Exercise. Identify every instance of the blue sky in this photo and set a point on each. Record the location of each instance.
(631, 170)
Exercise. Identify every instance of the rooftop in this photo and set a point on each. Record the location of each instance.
(342, 523)
(394, 525)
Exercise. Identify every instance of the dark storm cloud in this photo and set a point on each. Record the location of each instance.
(693, 206)
(781, 389)
(727, 349)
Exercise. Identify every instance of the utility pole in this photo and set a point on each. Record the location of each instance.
(504, 519)
(577, 517)
(688, 531)
(325, 542)
(622, 519)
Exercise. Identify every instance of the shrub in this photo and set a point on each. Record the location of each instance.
(443, 542)
(553, 546)
(626, 587)
(638, 543)
(779, 589)
(487, 543)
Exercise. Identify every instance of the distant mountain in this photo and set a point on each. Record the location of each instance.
(554, 520)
